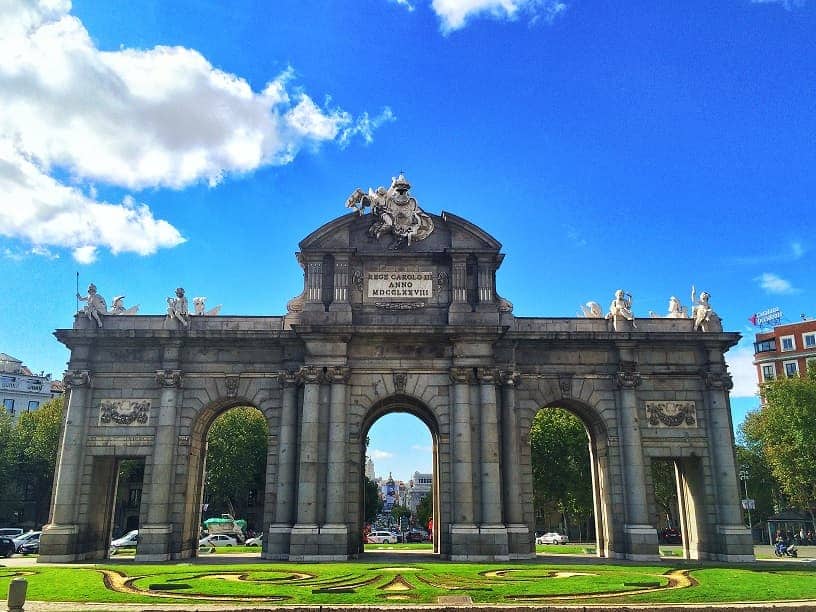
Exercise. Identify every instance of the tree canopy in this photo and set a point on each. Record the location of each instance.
(562, 481)
(236, 458)
(28, 455)
(784, 432)
(424, 510)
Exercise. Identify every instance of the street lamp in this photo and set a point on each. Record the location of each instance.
(743, 474)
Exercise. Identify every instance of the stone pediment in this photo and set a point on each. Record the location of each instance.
(350, 233)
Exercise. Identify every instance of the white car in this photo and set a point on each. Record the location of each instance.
(552, 538)
(218, 539)
(382, 537)
(31, 536)
(130, 539)
(256, 541)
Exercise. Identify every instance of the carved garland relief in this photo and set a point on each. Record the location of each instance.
(681, 414)
(124, 412)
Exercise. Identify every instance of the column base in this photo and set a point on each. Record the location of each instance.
(154, 543)
(736, 544)
(276, 542)
(311, 543)
(519, 542)
(641, 543)
(485, 543)
(58, 544)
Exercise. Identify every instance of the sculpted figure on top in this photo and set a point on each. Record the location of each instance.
(676, 310)
(177, 307)
(621, 309)
(96, 306)
(395, 212)
(705, 319)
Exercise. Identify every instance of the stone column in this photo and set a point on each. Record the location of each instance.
(485, 280)
(305, 532)
(277, 544)
(459, 303)
(735, 542)
(334, 534)
(517, 531)
(59, 538)
(464, 533)
(492, 529)
(641, 537)
(155, 536)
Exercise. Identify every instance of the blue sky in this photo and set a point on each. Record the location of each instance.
(642, 145)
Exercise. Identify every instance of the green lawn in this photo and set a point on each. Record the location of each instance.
(359, 582)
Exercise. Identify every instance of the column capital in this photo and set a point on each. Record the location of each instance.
(487, 376)
(461, 375)
(311, 374)
(76, 378)
(168, 378)
(510, 378)
(338, 374)
(715, 379)
(289, 378)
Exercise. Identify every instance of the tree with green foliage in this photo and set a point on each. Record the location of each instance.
(373, 501)
(664, 482)
(762, 487)
(424, 511)
(28, 455)
(785, 431)
(236, 459)
(562, 480)
(398, 512)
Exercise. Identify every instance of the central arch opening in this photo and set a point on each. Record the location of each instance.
(569, 498)
(400, 490)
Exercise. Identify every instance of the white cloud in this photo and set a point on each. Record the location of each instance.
(408, 5)
(161, 117)
(795, 251)
(455, 14)
(420, 447)
(740, 362)
(38, 209)
(375, 454)
(775, 284)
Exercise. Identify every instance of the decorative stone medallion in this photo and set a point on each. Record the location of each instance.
(124, 411)
(681, 414)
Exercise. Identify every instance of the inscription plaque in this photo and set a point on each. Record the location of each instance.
(400, 284)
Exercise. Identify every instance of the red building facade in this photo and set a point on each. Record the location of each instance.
(785, 350)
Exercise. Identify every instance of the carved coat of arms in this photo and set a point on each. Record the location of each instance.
(395, 212)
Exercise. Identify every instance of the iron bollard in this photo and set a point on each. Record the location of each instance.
(17, 594)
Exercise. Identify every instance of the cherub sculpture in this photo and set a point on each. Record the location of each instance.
(95, 307)
(199, 305)
(621, 309)
(676, 310)
(592, 310)
(177, 307)
(118, 307)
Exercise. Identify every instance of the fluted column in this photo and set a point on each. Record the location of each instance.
(308, 460)
(59, 538)
(489, 446)
(154, 536)
(514, 515)
(462, 453)
(338, 466)
(287, 451)
(641, 536)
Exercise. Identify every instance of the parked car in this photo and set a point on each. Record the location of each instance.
(256, 541)
(416, 535)
(130, 539)
(31, 547)
(382, 537)
(6, 546)
(552, 537)
(11, 532)
(31, 536)
(218, 539)
(669, 536)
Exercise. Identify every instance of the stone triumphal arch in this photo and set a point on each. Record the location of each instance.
(399, 312)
